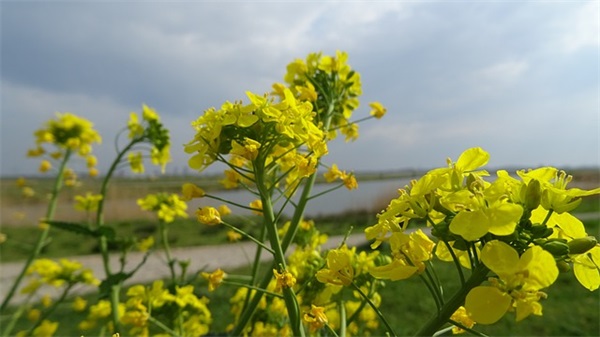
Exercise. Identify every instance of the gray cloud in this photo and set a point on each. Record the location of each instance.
(514, 78)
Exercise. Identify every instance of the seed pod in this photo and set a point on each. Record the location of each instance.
(582, 245)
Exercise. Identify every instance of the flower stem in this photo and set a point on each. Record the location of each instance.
(377, 311)
(41, 242)
(436, 322)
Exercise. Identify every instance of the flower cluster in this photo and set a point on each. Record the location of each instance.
(519, 229)
(67, 133)
(167, 206)
(58, 274)
(149, 129)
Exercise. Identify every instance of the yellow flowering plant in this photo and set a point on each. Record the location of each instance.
(508, 236)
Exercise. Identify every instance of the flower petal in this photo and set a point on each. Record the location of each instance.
(486, 305)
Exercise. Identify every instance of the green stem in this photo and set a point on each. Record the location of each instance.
(437, 321)
(15, 317)
(165, 241)
(50, 310)
(342, 318)
(377, 311)
(250, 237)
(279, 256)
(41, 242)
(162, 326)
(456, 263)
(475, 332)
(245, 285)
(115, 289)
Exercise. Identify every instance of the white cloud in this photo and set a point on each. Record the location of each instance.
(581, 28)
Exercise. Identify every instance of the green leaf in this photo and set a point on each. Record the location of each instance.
(71, 227)
(114, 279)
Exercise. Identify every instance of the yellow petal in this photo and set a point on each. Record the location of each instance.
(472, 158)
(585, 268)
(486, 305)
(504, 218)
(541, 267)
(501, 258)
(526, 308)
(470, 225)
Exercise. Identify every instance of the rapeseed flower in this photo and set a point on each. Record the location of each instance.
(315, 318)
(214, 279)
(208, 215)
(167, 206)
(518, 285)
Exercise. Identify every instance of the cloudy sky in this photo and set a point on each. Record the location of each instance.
(520, 79)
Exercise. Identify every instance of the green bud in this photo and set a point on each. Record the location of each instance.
(538, 229)
(582, 245)
(563, 266)
(533, 194)
(556, 248)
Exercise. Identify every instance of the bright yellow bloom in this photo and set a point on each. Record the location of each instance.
(586, 268)
(315, 318)
(93, 172)
(518, 285)
(350, 131)
(149, 114)
(190, 191)
(409, 251)
(460, 316)
(68, 131)
(285, 279)
(46, 301)
(333, 173)
(350, 181)
(214, 279)
(339, 269)
(249, 150)
(256, 206)
(208, 215)
(378, 110)
(167, 206)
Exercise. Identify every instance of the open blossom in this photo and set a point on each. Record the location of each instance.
(208, 215)
(518, 285)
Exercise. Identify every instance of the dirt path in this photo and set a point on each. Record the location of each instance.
(202, 258)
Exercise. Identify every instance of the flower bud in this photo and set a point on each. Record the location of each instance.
(582, 245)
(556, 248)
(563, 266)
(533, 194)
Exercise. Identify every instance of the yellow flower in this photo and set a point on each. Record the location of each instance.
(45, 329)
(46, 301)
(224, 210)
(167, 206)
(93, 172)
(214, 279)
(89, 202)
(21, 182)
(315, 318)
(285, 279)
(190, 191)
(339, 269)
(45, 166)
(460, 316)
(378, 110)
(333, 173)
(134, 126)
(136, 162)
(256, 206)
(149, 114)
(519, 284)
(79, 304)
(145, 244)
(586, 268)
(233, 236)
(248, 150)
(208, 215)
(409, 255)
(350, 181)
(33, 315)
